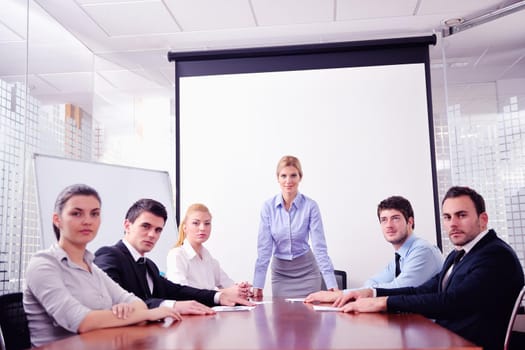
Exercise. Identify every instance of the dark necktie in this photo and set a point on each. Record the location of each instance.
(141, 265)
(457, 258)
(398, 268)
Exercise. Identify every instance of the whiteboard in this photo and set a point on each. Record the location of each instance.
(118, 186)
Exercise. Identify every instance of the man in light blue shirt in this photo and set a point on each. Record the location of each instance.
(417, 260)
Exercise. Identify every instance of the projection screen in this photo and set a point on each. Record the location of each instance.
(358, 116)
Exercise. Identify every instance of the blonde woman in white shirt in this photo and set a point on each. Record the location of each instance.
(190, 263)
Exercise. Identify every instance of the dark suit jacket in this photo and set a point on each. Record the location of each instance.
(479, 296)
(118, 263)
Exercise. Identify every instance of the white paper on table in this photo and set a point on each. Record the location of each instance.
(326, 308)
(167, 322)
(262, 302)
(295, 300)
(233, 308)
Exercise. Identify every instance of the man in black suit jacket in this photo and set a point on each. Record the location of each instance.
(474, 293)
(125, 263)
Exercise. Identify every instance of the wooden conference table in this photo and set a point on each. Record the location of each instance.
(277, 324)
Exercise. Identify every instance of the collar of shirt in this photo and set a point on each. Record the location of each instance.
(136, 255)
(191, 253)
(467, 247)
(405, 248)
(297, 202)
(61, 254)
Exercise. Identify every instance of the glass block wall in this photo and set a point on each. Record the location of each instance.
(27, 127)
(479, 140)
(18, 139)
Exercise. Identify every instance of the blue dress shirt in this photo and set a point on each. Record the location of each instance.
(286, 234)
(419, 262)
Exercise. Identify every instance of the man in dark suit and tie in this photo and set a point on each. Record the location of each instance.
(474, 293)
(125, 263)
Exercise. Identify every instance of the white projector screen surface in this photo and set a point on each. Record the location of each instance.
(118, 186)
(361, 134)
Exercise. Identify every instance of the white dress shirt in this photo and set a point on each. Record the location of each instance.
(185, 266)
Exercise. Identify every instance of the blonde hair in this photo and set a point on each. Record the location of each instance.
(191, 209)
(290, 161)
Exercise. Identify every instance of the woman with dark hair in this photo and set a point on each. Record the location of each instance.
(64, 292)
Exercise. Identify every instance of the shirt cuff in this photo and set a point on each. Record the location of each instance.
(217, 298)
(374, 292)
(168, 303)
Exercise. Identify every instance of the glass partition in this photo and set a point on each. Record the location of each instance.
(17, 120)
(479, 116)
(58, 98)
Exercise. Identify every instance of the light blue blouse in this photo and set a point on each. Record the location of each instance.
(285, 234)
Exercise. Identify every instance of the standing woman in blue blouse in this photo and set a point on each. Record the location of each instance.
(288, 221)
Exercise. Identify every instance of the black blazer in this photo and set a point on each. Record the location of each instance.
(479, 296)
(118, 263)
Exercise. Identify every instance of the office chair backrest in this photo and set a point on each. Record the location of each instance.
(340, 277)
(13, 322)
(515, 337)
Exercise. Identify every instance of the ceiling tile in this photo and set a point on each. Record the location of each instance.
(194, 15)
(358, 9)
(461, 8)
(13, 58)
(13, 20)
(59, 58)
(137, 59)
(69, 82)
(127, 80)
(132, 18)
(289, 12)
(83, 2)
(516, 71)
(113, 36)
(504, 61)
(7, 34)
(169, 75)
(39, 86)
